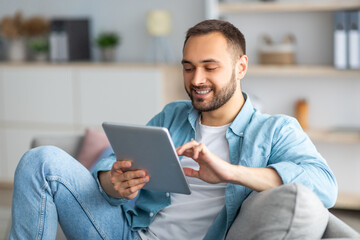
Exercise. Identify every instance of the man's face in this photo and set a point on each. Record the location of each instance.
(208, 70)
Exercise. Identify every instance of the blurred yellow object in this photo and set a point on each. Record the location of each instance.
(302, 112)
(159, 22)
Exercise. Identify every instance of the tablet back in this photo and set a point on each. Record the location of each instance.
(149, 148)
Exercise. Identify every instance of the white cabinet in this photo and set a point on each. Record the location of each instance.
(128, 95)
(51, 99)
(37, 95)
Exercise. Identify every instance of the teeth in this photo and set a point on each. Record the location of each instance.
(202, 92)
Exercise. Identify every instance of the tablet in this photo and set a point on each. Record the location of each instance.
(151, 149)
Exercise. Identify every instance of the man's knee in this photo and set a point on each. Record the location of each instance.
(36, 156)
(291, 211)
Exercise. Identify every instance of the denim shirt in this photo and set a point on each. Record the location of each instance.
(255, 140)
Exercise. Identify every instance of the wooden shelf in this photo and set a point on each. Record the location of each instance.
(122, 65)
(298, 6)
(349, 201)
(300, 70)
(334, 136)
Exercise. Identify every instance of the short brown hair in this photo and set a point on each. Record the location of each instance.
(234, 37)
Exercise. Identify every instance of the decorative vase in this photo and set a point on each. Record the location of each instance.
(108, 54)
(17, 50)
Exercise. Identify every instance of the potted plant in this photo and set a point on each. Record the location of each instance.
(39, 48)
(107, 42)
(18, 30)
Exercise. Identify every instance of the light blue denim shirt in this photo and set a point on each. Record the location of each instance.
(255, 140)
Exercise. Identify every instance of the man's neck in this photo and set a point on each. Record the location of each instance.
(225, 114)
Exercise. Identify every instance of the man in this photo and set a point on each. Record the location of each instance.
(228, 149)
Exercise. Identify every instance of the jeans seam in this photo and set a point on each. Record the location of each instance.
(81, 203)
(42, 212)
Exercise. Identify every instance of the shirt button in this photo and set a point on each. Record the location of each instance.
(167, 194)
(151, 214)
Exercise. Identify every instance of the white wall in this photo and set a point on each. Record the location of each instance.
(333, 102)
(313, 32)
(123, 16)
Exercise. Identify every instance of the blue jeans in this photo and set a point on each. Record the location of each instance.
(51, 186)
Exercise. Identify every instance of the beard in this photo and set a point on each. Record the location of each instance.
(220, 97)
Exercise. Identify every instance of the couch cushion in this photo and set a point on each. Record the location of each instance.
(291, 211)
(69, 143)
(95, 142)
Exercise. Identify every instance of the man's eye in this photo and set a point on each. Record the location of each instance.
(188, 69)
(211, 68)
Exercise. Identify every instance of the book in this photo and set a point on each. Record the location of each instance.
(354, 39)
(340, 40)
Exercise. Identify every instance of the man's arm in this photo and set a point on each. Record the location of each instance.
(296, 159)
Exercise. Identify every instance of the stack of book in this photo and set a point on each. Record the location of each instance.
(347, 39)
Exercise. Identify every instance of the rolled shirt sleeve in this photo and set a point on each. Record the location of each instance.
(296, 159)
(105, 165)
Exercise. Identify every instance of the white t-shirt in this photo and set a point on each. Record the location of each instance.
(190, 216)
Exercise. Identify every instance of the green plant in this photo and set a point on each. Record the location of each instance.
(108, 40)
(40, 45)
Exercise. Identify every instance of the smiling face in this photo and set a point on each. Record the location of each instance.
(209, 71)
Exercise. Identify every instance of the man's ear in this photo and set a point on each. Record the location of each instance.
(241, 67)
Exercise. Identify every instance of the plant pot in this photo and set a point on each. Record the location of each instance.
(40, 57)
(17, 50)
(107, 54)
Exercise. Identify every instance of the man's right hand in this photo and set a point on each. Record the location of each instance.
(120, 182)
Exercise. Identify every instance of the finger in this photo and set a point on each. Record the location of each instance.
(197, 150)
(134, 182)
(130, 192)
(122, 164)
(119, 176)
(188, 153)
(129, 175)
(180, 150)
(191, 172)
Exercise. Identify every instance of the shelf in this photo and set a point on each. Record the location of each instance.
(349, 201)
(300, 70)
(122, 65)
(299, 6)
(335, 136)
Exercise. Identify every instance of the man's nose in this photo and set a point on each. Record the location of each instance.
(199, 77)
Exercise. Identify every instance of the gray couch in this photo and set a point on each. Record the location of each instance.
(299, 211)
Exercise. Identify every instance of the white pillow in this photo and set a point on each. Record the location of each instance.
(290, 211)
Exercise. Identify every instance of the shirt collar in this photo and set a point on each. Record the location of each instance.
(243, 118)
(240, 122)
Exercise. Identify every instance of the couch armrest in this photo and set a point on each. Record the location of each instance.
(69, 143)
(336, 228)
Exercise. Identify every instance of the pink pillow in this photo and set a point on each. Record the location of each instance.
(95, 142)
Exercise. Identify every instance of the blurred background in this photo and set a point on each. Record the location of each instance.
(67, 66)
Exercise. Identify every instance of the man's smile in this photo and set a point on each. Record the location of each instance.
(202, 92)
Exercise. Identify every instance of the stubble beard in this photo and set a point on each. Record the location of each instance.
(220, 97)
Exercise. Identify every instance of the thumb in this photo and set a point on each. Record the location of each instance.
(191, 172)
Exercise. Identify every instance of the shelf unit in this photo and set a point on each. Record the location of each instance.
(348, 201)
(297, 6)
(335, 136)
(215, 9)
(300, 71)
